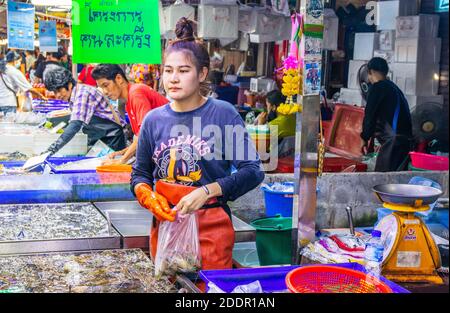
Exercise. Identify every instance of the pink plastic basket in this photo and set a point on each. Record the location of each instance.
(429, 161)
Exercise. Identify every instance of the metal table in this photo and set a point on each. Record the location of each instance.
(133, 222)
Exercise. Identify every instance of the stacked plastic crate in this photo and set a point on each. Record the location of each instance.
(417, 57)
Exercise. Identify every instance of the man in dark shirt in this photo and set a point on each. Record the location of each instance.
(52, 58)
(387, 118)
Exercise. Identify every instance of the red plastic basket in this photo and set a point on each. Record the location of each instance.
(429, 161)
(333, 279)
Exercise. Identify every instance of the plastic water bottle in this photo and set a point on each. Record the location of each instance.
(374, 254)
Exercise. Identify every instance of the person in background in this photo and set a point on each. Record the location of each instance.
(66, 61)
(177, 165)
(30, 59)
(13, 81)
(91, 112)
(139, 98)
(85, 76)
(147, 74)
(52, 58)
(285, 123)
(386, 118)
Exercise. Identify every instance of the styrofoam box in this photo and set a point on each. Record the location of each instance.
(415, 50)
(351, 96)
(353, 68)
(422, 25)
(365, 45)
(218, 21)
(172, 14)
(387, 40)
(417, 79)
(388, 11)
(330, 30)
(385, 54)
(415, 101)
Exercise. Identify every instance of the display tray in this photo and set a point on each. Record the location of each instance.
(108, 271)
(33, 228)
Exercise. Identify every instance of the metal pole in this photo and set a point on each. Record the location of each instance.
(307, 130)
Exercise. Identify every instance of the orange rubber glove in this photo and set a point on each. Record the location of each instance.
(156, 203)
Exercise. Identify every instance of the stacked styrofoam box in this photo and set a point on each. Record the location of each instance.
(388, 11)
(417, 57)
(351, 96)
(171, 15)
(217, 21)
(353, 69)
(365, 45)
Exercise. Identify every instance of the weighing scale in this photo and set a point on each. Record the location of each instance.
(410, 253)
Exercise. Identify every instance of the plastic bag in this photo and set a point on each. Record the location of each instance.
(178, 248)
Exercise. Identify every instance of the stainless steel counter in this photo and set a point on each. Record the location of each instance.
(133, 222)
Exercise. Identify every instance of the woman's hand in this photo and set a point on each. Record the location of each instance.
(192, 201)
(112, 162)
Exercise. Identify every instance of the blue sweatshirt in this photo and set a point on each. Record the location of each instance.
(198, 148)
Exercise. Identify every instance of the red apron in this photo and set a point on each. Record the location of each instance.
(216, 232)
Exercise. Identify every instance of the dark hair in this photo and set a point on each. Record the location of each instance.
(275, 97)
(108, 71)
(58, 54)
(56, 77)
(379, 65)
(186, 42)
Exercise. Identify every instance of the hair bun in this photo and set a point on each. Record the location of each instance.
(184, 30)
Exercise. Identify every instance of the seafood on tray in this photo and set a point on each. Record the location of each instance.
(52, 221)
(108, 271)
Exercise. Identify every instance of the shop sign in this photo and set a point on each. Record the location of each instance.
(47, 36)
(116, 31)
(20, 25)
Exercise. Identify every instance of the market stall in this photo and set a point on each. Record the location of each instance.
(70, 225)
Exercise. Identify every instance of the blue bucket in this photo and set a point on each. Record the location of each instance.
(278, 202)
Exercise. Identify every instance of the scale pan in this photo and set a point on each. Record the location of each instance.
(407, 194)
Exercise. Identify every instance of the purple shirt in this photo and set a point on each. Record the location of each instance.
(87, 101)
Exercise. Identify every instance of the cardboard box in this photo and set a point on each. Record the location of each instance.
(365, 45)
(418, 50)
(417, 79)
(388, 11)
(422, 25)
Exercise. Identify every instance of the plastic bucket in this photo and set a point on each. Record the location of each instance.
(273, 240)
(278, 202)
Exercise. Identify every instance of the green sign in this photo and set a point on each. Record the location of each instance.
(116, 31)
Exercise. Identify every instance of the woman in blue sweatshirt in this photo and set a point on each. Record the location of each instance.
(186, 150)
